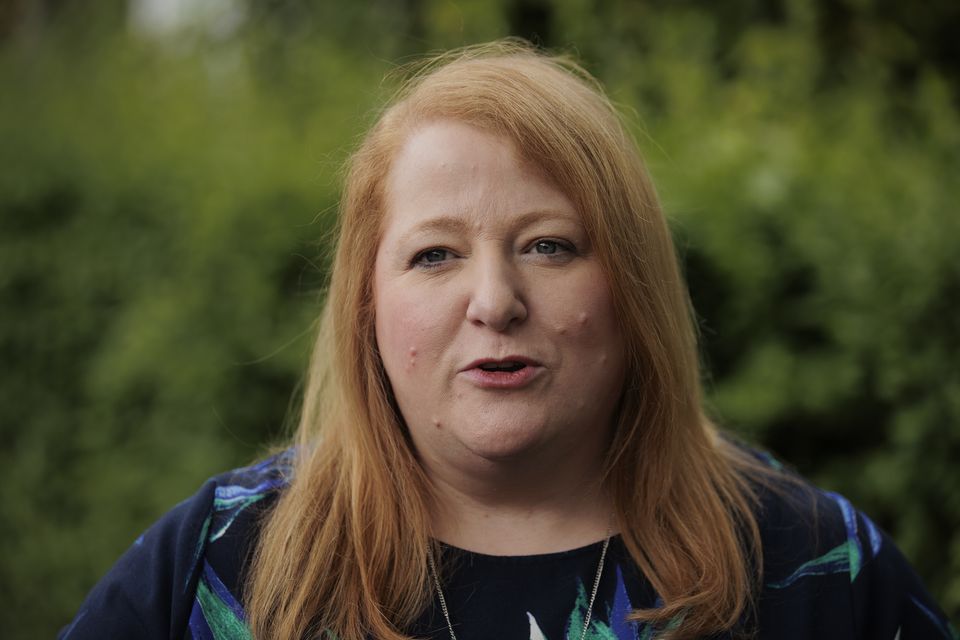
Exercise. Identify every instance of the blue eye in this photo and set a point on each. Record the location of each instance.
(550, 247)
(546, 246)
(431, 257)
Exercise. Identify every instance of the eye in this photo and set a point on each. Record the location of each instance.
(550, 247)
(546, 246)
(432, 257)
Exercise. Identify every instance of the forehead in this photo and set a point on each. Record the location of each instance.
(451, 168)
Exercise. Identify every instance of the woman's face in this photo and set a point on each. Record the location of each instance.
(494, 319)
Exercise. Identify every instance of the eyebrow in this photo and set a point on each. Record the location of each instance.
(451, 224)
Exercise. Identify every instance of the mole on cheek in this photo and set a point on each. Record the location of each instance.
(412, 361)
(436, 423)
(582, 318)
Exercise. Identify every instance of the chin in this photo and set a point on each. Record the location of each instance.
(503, 442)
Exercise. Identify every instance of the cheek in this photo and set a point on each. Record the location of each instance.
(589, 326)
(583, 310)
(406, 332)
(590, 332)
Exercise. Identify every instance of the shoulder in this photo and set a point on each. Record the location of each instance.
(189, 559)
(830, 572)
(240, 499)
(242, 493)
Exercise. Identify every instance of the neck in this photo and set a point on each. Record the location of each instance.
(520, 506)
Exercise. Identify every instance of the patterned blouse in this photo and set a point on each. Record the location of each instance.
(828, 573)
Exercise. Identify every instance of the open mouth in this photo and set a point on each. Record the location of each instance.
(513, 372)
(509, 366)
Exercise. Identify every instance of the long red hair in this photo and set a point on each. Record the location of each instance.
(345, 550)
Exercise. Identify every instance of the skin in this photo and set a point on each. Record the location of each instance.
(481, 257)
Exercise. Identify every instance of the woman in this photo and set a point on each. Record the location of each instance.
(502, 434)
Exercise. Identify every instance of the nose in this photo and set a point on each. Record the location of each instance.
(496, 298)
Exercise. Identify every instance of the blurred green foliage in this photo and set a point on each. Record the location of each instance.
(166, 201)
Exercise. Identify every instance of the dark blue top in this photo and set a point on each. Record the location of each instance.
(829, 573)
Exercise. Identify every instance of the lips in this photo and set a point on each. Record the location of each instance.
(508, 362)
(511, 372)
(508, 366)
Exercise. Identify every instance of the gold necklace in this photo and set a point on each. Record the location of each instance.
(593, 593)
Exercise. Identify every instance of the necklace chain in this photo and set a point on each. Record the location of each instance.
(593, 592)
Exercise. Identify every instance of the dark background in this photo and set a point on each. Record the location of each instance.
(168, 179)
